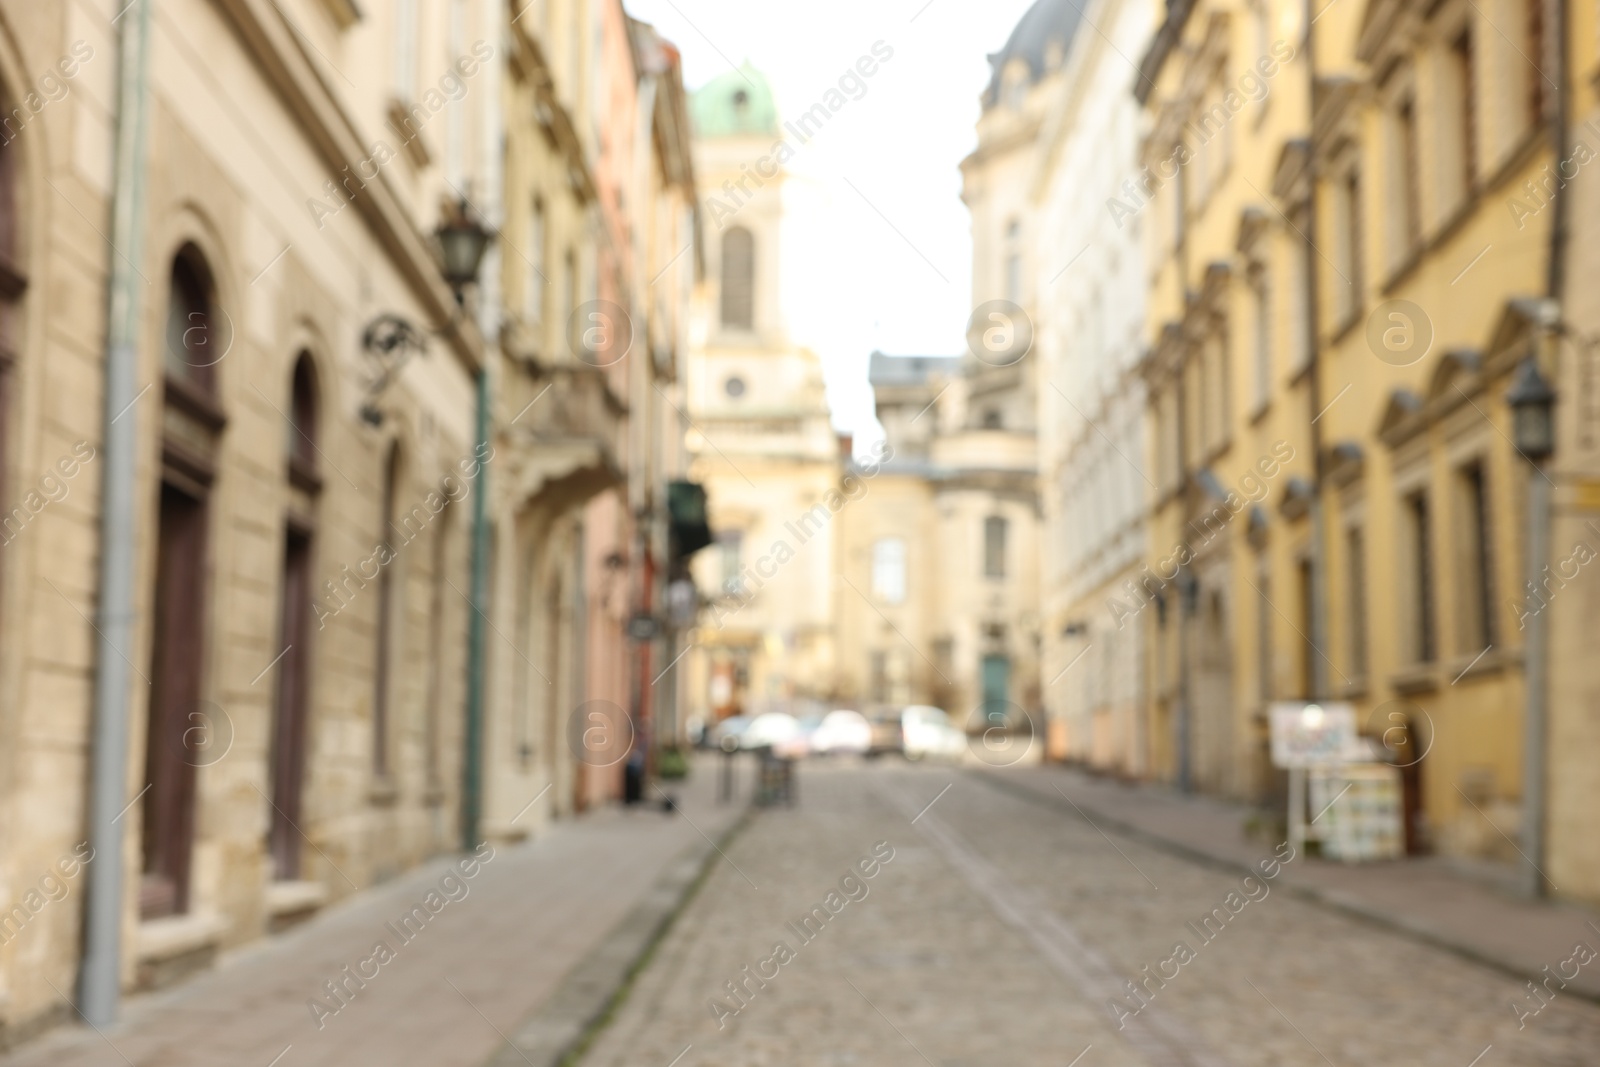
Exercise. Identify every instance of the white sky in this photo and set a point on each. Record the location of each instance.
(853, 283)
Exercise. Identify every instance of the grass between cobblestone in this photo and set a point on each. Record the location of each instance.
(596, 1026)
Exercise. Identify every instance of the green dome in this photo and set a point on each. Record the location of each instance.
(735, 104)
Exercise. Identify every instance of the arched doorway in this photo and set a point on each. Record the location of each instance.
(289, 731)
(179, 723)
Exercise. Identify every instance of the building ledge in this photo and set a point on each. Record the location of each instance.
(1494, 661)
(1417, 678)
(291, 903)
(171, 949)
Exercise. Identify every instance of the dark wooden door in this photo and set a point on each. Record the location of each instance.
(175, 710)
(289, 726)
(1408, 755)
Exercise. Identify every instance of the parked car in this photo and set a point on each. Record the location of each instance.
(927, 733)
(886, 735)
(842, 731)
(726, 734)
(799, 746)
(772, 729)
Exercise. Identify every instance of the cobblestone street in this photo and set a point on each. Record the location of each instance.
(1000, 931)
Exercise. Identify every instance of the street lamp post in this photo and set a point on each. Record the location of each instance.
(463, 240)
(1532, 404)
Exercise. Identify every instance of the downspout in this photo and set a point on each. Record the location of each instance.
(489, 300)
(1319, 550)
(1536, 653)
(100, 979)
(472, 751)
(1560, 203)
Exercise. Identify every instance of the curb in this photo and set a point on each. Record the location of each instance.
(561, 1030)
(1332, 899)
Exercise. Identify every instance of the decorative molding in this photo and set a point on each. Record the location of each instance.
(346, 13)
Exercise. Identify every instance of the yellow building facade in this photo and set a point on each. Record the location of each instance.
(1350, 256)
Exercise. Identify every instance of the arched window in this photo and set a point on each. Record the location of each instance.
(302, 435)
(195, 343)
(738, 279)
(296, 635)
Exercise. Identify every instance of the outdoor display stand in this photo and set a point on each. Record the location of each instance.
(775, 780)
(1360, 803)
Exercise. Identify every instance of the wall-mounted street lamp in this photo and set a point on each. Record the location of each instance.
(463, 240)
(1533, 423)
(391, 339)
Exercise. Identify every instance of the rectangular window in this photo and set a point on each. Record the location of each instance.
(1180, 198)
(1308, 650)
(1410, 184)
(730, 545)
(879, 667)
(533, 295)
(1299, 311)
(1356, 574)
(569, 284)
(1538, 87)
(1459, 148)
(1420, 560)
(1349, 246)
(994, 547)
(405, 50)
(1264, 637)
(889, 570)
(1263, 339)
(1477, 562)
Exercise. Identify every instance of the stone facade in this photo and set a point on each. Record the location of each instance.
(1089, 319)
(303, 542)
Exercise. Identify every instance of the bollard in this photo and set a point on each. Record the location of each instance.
(730, 747)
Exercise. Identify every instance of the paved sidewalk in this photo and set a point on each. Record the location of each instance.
(481, 966)
(1423, 897)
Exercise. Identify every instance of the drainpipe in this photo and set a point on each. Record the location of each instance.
(1320, 682)
(1536, 683)
(472, 752)
(1560, 203)
(100, 979)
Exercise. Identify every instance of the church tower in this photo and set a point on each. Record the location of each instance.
(760, 433)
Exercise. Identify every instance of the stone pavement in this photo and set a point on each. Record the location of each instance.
(1003, 931)
(1430, 898)
(476, 970)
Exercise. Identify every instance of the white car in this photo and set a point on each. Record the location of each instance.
(843, 731)
(928, 734)
(772, 730)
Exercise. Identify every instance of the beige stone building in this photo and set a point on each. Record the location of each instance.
(300, 454)
(894, 636)
(594, 330)
(1228, 574)
(937, 554)
(1095, 481)
(301, 502)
